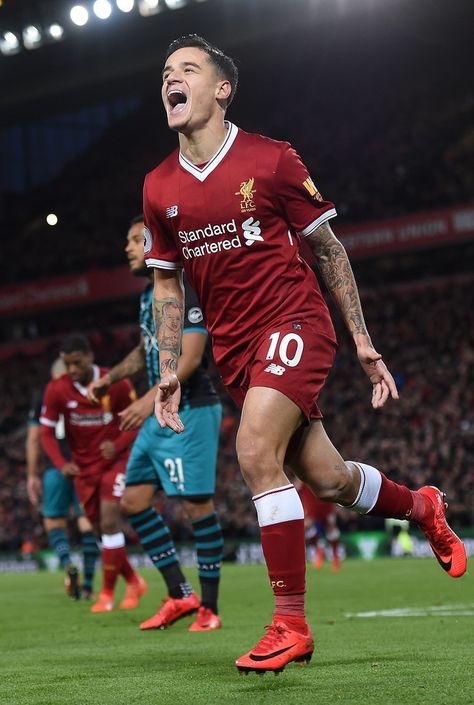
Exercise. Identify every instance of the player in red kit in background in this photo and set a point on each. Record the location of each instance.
(230, 208)
(99, 457)
(320, 520)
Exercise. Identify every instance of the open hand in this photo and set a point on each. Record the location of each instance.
(376, 370)
(167, 404)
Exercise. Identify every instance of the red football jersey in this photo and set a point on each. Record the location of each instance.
(87, 424)
(234, 225)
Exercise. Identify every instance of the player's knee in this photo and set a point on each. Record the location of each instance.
(257, 460)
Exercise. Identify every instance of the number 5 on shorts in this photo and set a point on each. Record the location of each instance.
(283, 348)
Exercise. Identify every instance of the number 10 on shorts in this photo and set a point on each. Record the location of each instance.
(282, 346)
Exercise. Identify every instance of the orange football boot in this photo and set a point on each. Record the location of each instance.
(279, 646)
(134, 591)
(171, 610)
(105, 603)
(448, 548)
(206, 621)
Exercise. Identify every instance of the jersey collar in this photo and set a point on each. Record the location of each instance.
(95, 376)
(202, 173)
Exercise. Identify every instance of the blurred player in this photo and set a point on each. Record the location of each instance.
(320, 520)
(184, 467)
(229, 207)
(56, 494)
(99, 456)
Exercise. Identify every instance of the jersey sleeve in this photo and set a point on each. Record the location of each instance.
(304, 207)
(50, 411)
(193, 315)
(159, 246)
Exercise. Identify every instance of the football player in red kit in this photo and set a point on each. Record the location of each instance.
(320, 520)
(230, 208)
(99, 457)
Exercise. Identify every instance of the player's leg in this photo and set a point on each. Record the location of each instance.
(90, 554)
(366, 490)
(333, 535)
(56, 491)
(269, 419)
(114, 553)
(194, 482)
(209, 552)
(145, 464)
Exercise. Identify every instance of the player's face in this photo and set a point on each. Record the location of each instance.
(134, 248)
(191, 90)
(79, 366)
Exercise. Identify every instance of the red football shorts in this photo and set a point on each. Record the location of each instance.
(97, 483)
(293, 358)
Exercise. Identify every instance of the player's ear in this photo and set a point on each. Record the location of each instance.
(224, 89)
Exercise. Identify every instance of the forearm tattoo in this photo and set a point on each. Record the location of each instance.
(336, 271)
(130, 365)
(169, 317)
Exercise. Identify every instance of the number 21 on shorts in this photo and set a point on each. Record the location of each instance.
(289, 348)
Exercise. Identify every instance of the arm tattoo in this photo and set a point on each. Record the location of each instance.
(130, 365)
(336, 271)
(168, 316)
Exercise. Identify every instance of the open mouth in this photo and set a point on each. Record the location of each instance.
(177, 101)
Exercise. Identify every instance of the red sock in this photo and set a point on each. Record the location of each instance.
(335, 549)
(285, 555)
(398, 502)
(111, 567)
(126, 569)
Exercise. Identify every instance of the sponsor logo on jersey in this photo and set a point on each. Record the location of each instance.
(195, 315)
(72, 404)
(311, 189)
(147, 241)
(172, 211)
(246, 192)
(252, 231)
(275, 369)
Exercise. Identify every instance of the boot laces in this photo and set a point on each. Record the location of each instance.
(274, 636)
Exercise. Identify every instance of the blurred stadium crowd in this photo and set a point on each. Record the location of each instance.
(378, 149)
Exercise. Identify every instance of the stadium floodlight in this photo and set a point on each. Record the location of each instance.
(55, 31)
(125, 5)
(52, 219)
(9, 43)
(79, 15)
(175, 4)
(102, 9)
(149, 7)
(32, 37)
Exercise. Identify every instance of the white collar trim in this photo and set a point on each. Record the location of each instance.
(95, 376)
(202, 173)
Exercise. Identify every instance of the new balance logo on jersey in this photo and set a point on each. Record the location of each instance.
(172, 211)
(275, 369)
(71, 404)
(252, 231)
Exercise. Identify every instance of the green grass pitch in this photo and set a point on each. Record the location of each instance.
(54, 652)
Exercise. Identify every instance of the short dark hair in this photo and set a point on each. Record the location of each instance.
(137, 219)
(224, 65)
(75, 343)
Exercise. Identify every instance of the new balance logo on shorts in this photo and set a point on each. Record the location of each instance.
(275, 369)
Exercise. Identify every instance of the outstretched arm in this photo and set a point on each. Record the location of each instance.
(335, 268)
(131, 364)
(168, 314)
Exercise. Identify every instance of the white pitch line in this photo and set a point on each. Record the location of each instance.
(434, 611)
